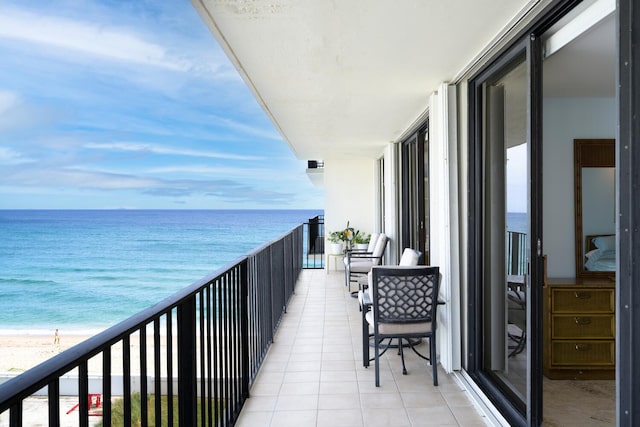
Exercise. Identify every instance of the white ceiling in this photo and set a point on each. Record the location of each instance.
(586, 67)
(345, 77)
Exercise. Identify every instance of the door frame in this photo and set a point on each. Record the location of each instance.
(628, 244)
(628, 162)
(415, 149)
(515, 413)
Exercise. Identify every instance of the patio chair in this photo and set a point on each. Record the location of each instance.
(403, 303)
(410, 257)
(358, 264)
(347, 254)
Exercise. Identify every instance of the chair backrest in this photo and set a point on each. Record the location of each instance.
(405, 294)
(409, 257)
(378, 251)
(372, 242)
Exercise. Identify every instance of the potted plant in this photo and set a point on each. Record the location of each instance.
(361, 240)
(339, 239)
(336, 238)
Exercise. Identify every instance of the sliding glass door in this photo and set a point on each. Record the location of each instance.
(415, 192)
(504, 338)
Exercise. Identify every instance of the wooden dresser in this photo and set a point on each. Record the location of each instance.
(579, 329)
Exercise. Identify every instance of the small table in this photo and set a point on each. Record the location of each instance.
(335, 260)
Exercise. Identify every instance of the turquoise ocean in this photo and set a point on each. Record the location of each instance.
(517, 221)
(84, 270)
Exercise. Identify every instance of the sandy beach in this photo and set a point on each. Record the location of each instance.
(19, 353)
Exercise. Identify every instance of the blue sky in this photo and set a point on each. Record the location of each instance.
(132, 104)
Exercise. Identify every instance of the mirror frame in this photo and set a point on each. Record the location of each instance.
(591, 153)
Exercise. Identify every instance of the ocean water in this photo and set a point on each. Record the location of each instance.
(85, 270)
(517, 221)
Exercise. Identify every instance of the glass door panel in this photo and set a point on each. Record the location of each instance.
(505, 230)
(415, 193)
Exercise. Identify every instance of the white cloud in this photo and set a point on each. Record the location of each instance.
(157, 149)
(8, 100)
(247, 129)
(76, 178)
(107, 42)
(207, 171)
(11, 157)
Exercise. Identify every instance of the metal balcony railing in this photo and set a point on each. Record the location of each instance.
(200, 348)
(314, 243)
(516, 253)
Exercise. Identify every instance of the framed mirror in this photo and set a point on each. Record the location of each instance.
(594, 179)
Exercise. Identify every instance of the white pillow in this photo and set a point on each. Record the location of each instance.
(605, 242)
(409, 257)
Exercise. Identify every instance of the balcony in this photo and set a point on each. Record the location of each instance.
(313, 373)
(259, 342)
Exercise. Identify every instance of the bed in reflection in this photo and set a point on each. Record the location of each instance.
(601, 253)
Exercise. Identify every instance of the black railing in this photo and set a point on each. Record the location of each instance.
(314, 243)
(202, 345)
(516, 253)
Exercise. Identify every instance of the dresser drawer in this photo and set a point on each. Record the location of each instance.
(583, 326)
(582, 300)
(595, 354)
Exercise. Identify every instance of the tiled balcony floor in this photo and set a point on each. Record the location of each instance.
(313, 373)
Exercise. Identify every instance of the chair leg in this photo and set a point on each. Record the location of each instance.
(346, 275)
(432, 358)
(376, 353)
(401, 351)
(365, 340)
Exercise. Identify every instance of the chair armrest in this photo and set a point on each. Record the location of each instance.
(365, 300)
(353, 253)
(364, 255)
(357, 253)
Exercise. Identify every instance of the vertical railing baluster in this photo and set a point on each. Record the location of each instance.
(53, 392)
(157, 345)
(235, 330)
(15, 415)
(216, 356)
(187, 363)
(225, 347)
(210, 377)
(106, 386)
(83, 394)
(201, 352)
(126, 378)
(244, 328)
(144, 398)
(231, 331)
(169, 368)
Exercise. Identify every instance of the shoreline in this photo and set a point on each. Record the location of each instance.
(20, 352)
(23, 350)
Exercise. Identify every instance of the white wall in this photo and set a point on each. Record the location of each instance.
(566, 119)
(349, 191)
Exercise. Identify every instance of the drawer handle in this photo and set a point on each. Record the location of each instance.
(583, 347)
(582, 295)
(583, 320)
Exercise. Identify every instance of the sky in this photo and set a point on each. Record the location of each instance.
(132, 105)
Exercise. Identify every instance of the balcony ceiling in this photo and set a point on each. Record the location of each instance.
(344, 78)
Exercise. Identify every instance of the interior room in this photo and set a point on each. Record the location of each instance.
(578, 201)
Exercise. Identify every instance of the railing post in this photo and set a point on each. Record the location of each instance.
(187, 362)
(244, 328)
